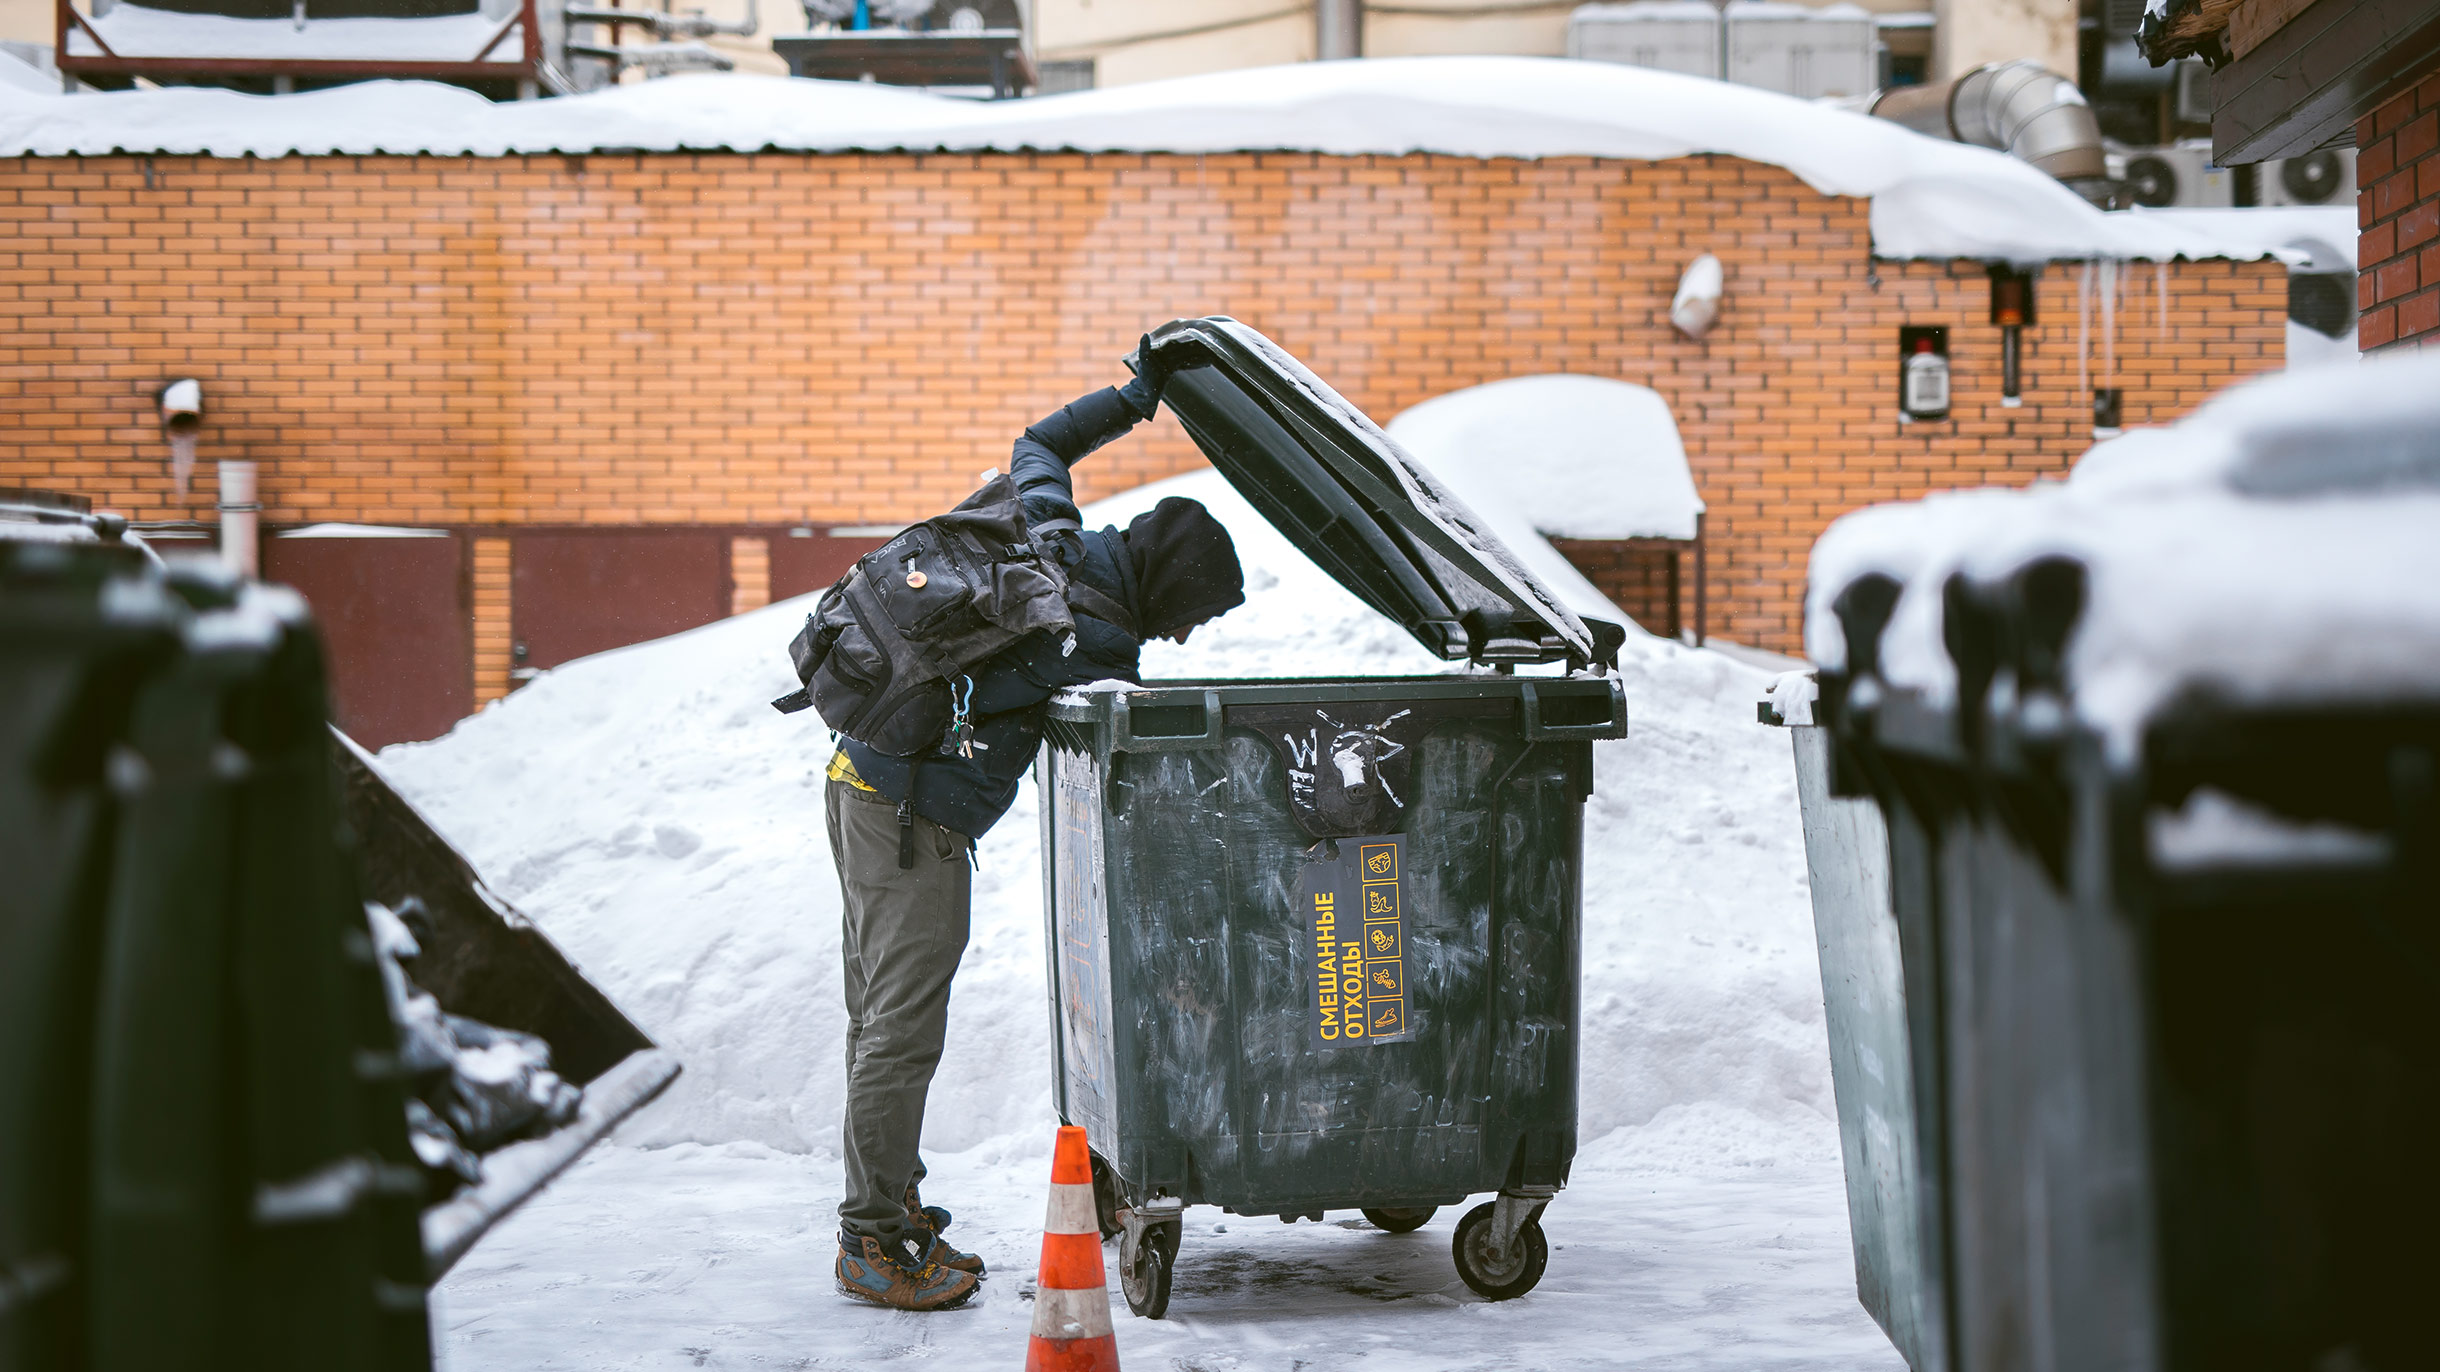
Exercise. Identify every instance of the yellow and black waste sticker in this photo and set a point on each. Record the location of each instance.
(1353, 905)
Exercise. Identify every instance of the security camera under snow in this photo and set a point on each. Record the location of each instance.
(182, 419)
(1697, 306)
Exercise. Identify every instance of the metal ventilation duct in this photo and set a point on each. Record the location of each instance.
(2021, 108)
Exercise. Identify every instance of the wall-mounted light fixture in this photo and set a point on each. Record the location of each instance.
(2012, 310)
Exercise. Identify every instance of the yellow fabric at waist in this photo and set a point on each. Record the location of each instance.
(844, 769)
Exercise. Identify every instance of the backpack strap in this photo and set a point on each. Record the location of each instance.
(1101, 607)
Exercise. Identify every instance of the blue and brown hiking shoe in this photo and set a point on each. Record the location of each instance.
(900, 1273)
(931, 1220)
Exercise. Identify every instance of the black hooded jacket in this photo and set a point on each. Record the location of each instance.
(1012, 690)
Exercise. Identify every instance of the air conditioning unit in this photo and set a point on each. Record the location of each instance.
(1800, 51)
(1667, 35)
(2190, 98)
(2181, 175)
(2326, 177)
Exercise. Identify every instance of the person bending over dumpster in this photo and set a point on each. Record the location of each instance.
(905, 926)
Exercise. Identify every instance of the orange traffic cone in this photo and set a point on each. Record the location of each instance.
(1072, 1299)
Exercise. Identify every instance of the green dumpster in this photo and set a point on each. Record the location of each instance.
(1314, 944)
(2176, 1075)
(67, 680)
(206, 1163)
(1873, 1044)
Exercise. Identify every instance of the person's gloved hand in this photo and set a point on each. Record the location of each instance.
(1143, 393)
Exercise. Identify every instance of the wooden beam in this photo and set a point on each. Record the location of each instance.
(2307, 82)
(2256, 20)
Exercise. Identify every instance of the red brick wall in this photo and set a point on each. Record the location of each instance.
(758, 340)
(2397, 210)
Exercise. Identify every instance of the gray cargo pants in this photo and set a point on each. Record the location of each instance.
(902, 931)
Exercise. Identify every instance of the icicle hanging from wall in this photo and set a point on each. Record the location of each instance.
(2160, 278)
(2109, 322)
(2084, 329)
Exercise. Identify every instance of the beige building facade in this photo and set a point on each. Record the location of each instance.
(1121, 42)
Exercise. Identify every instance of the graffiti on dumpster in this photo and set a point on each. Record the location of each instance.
(1352, 904)
(1081, 916)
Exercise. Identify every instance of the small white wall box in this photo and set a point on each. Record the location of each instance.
(1800, 51)
(1923, 372)
(1666, 35)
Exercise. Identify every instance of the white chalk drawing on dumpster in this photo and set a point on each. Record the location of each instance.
(1086, 1052)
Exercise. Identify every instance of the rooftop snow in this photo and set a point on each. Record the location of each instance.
(1578, 456)
(136, 31)
(1930, 199)
(2324, 233)
(2275, 547)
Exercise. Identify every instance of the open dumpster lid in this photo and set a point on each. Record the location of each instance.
(1356, 503)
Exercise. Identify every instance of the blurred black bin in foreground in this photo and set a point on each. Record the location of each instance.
(2158, 767)
(204, 1160)
(1314, 944)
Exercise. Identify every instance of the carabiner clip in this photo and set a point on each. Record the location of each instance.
(961, 716)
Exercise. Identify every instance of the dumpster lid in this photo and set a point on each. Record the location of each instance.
(1355, 502)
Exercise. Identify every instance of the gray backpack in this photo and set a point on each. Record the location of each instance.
(886, 649)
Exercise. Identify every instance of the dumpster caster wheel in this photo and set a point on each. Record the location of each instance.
(1144, 1266)
(1503, 1276)
(1402, 1219)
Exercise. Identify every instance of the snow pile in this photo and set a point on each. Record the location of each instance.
(136, 31)
(1930, 198)
(664, 825)
(2276, 546)
(1572, 456)
(2325, 234)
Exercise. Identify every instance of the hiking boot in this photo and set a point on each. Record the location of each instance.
(900, 1273)
(931, 1220)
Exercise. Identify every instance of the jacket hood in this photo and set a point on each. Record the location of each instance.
(1185, 567)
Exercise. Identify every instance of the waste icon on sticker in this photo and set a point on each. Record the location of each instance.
(1351, 902)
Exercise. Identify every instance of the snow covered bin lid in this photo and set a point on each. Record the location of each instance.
(2274, 551)
(1357, 504)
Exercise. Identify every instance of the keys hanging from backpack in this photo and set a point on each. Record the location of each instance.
(882, 645)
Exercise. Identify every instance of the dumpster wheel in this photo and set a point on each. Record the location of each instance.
(1144, 1267)
(1501, 1276)
(1402, 1219)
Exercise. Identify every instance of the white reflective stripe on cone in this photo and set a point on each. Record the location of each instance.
(1072, 1210)
(1071, 1314)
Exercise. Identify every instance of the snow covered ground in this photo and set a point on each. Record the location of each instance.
(663, 825)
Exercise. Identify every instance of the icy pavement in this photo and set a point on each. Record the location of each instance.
(718, 1257)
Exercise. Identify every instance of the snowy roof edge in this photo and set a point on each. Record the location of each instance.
(1930, 198)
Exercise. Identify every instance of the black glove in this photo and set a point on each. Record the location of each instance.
(1144, 392)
